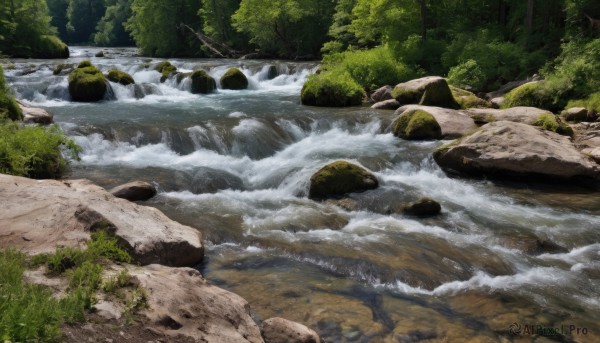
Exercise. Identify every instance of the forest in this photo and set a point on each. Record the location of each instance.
(478, 45)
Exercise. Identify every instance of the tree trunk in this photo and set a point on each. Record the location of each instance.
(529, 20)
(423, 17)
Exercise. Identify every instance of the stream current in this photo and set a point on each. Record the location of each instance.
(502, 262)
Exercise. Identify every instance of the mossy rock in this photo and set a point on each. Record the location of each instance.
(180, 76)
(439, 94)
(339, 178)
(547, 95)
(99, 54)
(87, 83)
(8, 106)
(202, 83)
(576, 114)
(59, 68)
(426, 91)
(466, 99)
(117, 76)
(234, 79)
(553, 123)
(417, 125)
(423, 207)
(331, 90)
(166, 69)
(272, 72)
(84, 64)
(407, 96)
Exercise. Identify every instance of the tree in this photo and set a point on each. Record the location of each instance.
(216, 16)
(58, 12)
(156, 27)
(83, 17)
(110, 30)
(341, 35)
(289, 28)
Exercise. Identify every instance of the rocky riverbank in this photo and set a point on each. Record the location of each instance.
(39, 216)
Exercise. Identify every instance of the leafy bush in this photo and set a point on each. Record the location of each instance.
(332, 89)
(8, 106)
(467, 74)
(33, 151)
(371, 68)
(50, 46)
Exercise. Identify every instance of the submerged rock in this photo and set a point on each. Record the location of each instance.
(234, 79)
(202, 83)
(134, 191)
(272, 73)
(339, 178)
(279, 330)
(513, 150)
(423, 207)
(166, 69)
(65, 213)
(452, 123)
(87, 83)
(428, 91)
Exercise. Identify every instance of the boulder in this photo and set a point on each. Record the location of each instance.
(423, 207)
(202, 83)
(382, 94)
(117, 76)
(99, 54)
(579, 114)
(340, 178)
(182, 303)
(87, 83)
(279, 330)
(272, 72)
(134, 191)
(506, 149)
(391, 104)
(587, 139)
(453, 123)
(416, 125)
(34, 115)
(468, 99)
(427, 91)
(166, 69)
(521, 114)
(38, 215)
(330, 89)
(234, 79)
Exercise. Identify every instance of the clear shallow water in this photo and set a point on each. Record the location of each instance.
(236, 165)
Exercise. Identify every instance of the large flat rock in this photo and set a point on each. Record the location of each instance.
(38, 215)
(520, 114)
(453, 123)
(506, 149)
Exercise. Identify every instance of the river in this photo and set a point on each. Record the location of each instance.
(501, 258)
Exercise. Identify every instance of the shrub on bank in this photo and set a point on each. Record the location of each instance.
(332, 89)
(8, 106)
(33, 151)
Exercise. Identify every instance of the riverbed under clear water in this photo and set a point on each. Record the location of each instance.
(236, 165)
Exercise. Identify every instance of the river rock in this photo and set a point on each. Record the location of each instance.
(587, 139)
(234, 79)
(279, 330)
(382, 94)
(272, 72)
(117, 76)
(428, 91)
(181, 302)
(87, 83)
(391, 104)
(38, 215)
(202, 83)
(134, 191)
(34, 115)
(506, 149)
(423, 207)
(579, 114)
(520, 114)
(453, 123)
(339, 178)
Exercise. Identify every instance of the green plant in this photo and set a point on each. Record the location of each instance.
(113, 283)
(550, 94)
(333, 89)
(592, 102)
(107, 246)
(8, 106)
(552, 123)
(33, 151)
(467, 74)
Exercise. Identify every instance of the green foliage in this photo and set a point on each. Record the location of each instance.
(107, 246)
(87, 83)
(340, 31)
(8, 106)
(592, 102)
(370, 68)
(33, 151)
(110, 30)
(553, 123)
(332, 89)
(550, 95)
(289, 28)
(384, 21)
(234, 79)
(216, 16)
(467, 75)
(339, 178)
(83, 16)
(121, 77)
(113, 283)
(417, 125)
(155, 27)
(202, 83)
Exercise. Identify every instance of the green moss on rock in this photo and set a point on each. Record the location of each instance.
(117, 76)
(51, 47)
(438, 94)
(87, 83)
(466, 99)
(339, 178)
(406, 96)
(202, 83)
(166, 69)
(234, 79)
(417, 125)
(553, 123)
(329, 89)
(8, 106)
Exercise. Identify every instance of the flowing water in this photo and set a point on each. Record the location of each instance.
(236, 165)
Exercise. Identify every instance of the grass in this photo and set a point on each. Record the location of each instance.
(34, 151)
(592, 102)
(31, 313)
(552, 123)
(332, 89)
